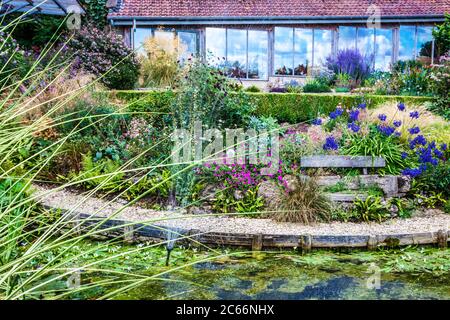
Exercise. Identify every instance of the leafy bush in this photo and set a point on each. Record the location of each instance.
(104, 54)
(441, 34)
(314, 86)
(370, 209)
(13, 63)
(410, 78)
(440, 84)
(352, 63)
(305, 204)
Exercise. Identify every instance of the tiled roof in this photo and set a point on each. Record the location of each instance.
(277, 8)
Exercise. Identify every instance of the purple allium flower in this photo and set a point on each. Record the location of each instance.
(317, 122)
(354, 114)
(414, 130)
(330, 144)
(397, 123)
(414, 114)
(382, 117)
(401, 106)
(354, 127)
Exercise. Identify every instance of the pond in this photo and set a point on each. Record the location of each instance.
(415, 273)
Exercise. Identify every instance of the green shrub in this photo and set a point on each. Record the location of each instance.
(371, 209)
(252, 88)
(315, 86)
(285, 107)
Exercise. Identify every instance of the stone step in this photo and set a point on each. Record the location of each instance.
(345, 197)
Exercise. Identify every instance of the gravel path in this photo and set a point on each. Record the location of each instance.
(426, 221)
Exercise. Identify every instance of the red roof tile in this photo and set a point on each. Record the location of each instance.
(277, 8)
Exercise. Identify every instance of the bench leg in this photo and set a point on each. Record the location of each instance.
(364, 171)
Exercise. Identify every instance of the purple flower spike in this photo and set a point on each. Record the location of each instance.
(330, 144)
(317, 122)
(354, 114)
(414, 130)
(354, 127)
(401, 106)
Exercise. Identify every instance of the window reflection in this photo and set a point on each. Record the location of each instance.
(216, 45)
(366, 41)
(302, 51)
(347, 38)
(187, 42)
(140, 35)
(406, 44)
(283, 55)
(383, 49)
(424, 41)
(237, 53)
(243, 52)
(322, 46)
(257, 54)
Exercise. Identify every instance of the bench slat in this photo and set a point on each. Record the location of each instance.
(322, 161)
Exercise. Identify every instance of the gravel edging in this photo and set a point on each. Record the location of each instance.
(427, 227)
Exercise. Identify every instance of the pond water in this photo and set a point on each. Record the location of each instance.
(411, 274)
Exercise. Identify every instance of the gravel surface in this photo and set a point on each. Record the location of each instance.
(424, 221)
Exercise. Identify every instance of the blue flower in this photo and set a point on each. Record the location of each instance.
(443, 146)
(432, 145)
(419, 140)
(412, 172)
(404, 155)
(382, 117)
(317, 122)
(354, 114)
(362, 106)
(354, 127)
(386, 130)
(397, 123)
(414, 114)
(438, 153)
(336, 113)
(401, 107)
(330, 144)
(414, 130)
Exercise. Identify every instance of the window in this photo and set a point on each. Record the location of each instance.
(347, 38)
(140, 34)
(407, 35)
(424, 41)
(187, 40)
(257, 54)
(383, 49)
(414, 42)
(284, 55)
(216, 45)
(366, 41)
(323, 40)
(295, 48)
(303, 48)
(243, 52)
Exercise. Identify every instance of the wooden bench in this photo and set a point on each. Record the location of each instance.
(323, 161)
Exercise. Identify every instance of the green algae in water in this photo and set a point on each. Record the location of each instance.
(409, 273)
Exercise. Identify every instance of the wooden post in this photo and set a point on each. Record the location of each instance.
(128, 234)
(442, 237)
(305, 243)
(257, 242)
(372, 243)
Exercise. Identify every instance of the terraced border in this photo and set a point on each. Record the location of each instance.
(140, 232)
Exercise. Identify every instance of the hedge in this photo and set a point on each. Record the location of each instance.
(286, 107)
